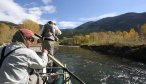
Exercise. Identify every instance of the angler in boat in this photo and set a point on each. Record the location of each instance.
(17, 60)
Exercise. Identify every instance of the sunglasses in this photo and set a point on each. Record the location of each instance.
(31, 39)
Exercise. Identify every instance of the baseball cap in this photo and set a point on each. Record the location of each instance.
(28, 33)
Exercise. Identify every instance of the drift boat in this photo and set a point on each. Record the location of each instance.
(56, 74)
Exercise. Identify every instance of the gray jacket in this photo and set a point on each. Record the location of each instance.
(15, 68)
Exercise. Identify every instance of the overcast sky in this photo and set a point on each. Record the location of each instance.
(66, 13)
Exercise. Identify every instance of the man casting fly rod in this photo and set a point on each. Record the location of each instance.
(49, 34)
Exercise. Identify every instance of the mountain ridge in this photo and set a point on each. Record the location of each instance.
(123, 22)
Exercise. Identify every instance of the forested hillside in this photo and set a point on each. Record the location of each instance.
(122, 22)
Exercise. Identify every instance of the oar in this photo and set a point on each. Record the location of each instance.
(60, 64)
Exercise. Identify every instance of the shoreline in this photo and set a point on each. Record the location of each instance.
(137, 53)
(69, 46)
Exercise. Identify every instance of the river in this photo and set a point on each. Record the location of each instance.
(95, 68)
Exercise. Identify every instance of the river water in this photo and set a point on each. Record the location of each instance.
(95, 68)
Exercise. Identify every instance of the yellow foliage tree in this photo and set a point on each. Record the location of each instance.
(143, 29)
(93, 37)
(4, 32)
(125, 34)
(87, 38)
(29, 24)
(133, 34)
(76, 40)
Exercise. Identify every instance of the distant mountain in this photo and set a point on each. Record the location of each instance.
(122, 22)
(67, 33)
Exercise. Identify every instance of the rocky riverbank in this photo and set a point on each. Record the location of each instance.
(137, 53)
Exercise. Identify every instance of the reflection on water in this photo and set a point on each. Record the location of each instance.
(94, 68)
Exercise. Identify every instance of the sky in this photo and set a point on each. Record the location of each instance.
(66, 13)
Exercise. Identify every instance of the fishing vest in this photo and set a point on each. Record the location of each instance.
(47, 31)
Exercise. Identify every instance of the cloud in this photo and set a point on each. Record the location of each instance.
(13, 12)
(68, 24)
(30, 4)
(99, 17)
(49, 9)
(35, 11)
(46, 2)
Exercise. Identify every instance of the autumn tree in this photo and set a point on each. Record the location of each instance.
(12, 32)
(4, 32)
(76, 40)
(143, 29)
(87, 38)
(103, 37)
(29, 24)
(67, 41)
(133, 35)
(93, 37)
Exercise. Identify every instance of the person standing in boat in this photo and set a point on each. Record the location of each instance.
(49, 34)
(17, 60)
